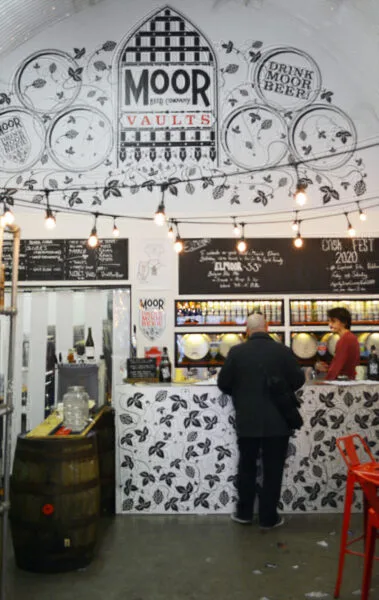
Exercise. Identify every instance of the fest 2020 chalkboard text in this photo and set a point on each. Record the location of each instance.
(322, 265)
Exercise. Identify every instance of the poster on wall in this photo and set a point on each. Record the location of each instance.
(153, 260)
(152, 316)
(182, 99)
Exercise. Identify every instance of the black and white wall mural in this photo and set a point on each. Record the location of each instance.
(171, 100)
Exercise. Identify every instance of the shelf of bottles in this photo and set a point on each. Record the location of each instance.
(205, 349)
(315, 312)
(225, 312)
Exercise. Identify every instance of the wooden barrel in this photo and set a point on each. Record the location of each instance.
(55, 502)
(105, 433)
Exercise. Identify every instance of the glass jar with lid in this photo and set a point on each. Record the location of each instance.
(75, 408)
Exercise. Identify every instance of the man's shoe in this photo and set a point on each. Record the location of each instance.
(237, 519)
(279, 523)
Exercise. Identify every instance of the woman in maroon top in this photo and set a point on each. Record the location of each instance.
(347, 355)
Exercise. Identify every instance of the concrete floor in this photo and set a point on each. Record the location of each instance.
(198, 558)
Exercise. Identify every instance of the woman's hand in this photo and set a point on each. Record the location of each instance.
(321, 366)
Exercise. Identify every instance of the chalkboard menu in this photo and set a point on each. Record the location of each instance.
(322, 265)
(69, 260)
(142, 369)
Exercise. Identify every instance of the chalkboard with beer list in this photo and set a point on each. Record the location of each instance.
(69, 260)
(322, 265)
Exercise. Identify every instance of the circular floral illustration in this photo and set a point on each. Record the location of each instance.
(22, 139)
(80, 139)
(322, 130)
(255, 136)
(48, 81)
(287, 78)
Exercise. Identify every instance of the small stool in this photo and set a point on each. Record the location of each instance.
(348, 447)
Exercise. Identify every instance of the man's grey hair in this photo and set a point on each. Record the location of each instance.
(256, 322)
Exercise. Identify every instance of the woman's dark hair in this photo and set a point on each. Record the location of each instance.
(342, 314)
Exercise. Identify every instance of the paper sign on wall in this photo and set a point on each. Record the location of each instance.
(152, 316)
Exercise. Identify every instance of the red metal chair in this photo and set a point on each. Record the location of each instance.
(370, 489)
(349, 447)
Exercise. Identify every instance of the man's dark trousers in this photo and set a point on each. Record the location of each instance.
(274, 452)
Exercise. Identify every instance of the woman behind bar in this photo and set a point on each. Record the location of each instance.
(347, 355)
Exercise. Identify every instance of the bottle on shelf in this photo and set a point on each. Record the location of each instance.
(373, 365)
(90, 346)
(70, 356)
(133, 343)
(165, 367)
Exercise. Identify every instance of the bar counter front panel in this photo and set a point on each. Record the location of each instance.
(176, 448)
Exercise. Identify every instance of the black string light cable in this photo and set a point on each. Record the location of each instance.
(312, 217)
(212, 176)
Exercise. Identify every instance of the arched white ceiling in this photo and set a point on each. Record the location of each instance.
(342, 36)
(22, 19)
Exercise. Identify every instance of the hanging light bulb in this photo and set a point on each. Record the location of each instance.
(350, 229)
(93, 240)
(170, 232)
(160, 215)
(236, 228)
(8, 216)
(362, 215)
(116, 231)
(298, 241)
(241, 244)
(300, 195)
(50, 221)
(178, 244)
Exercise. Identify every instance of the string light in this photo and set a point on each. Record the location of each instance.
(350, 229)
(295, 224)
(300, 195)
(8, 217)
(50, 221)
(93, 240)
(178, 244)
(236, 228)
(160, 215)
(362, 215)
(170, 232)
(298, 241)
(241, 244)
(116, 231)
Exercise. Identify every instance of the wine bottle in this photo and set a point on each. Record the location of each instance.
(373, 365)
(133, 345)
(90, 346)
(165, 368)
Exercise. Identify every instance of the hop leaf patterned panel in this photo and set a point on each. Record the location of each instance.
(177, 451)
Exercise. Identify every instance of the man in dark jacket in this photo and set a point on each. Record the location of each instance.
(260, 425)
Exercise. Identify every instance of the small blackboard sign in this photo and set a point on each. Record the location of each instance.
(142, 369)
(69, 260)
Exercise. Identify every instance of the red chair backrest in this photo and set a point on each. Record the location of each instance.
(349, 447)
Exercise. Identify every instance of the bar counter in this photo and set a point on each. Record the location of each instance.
(176, 447)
